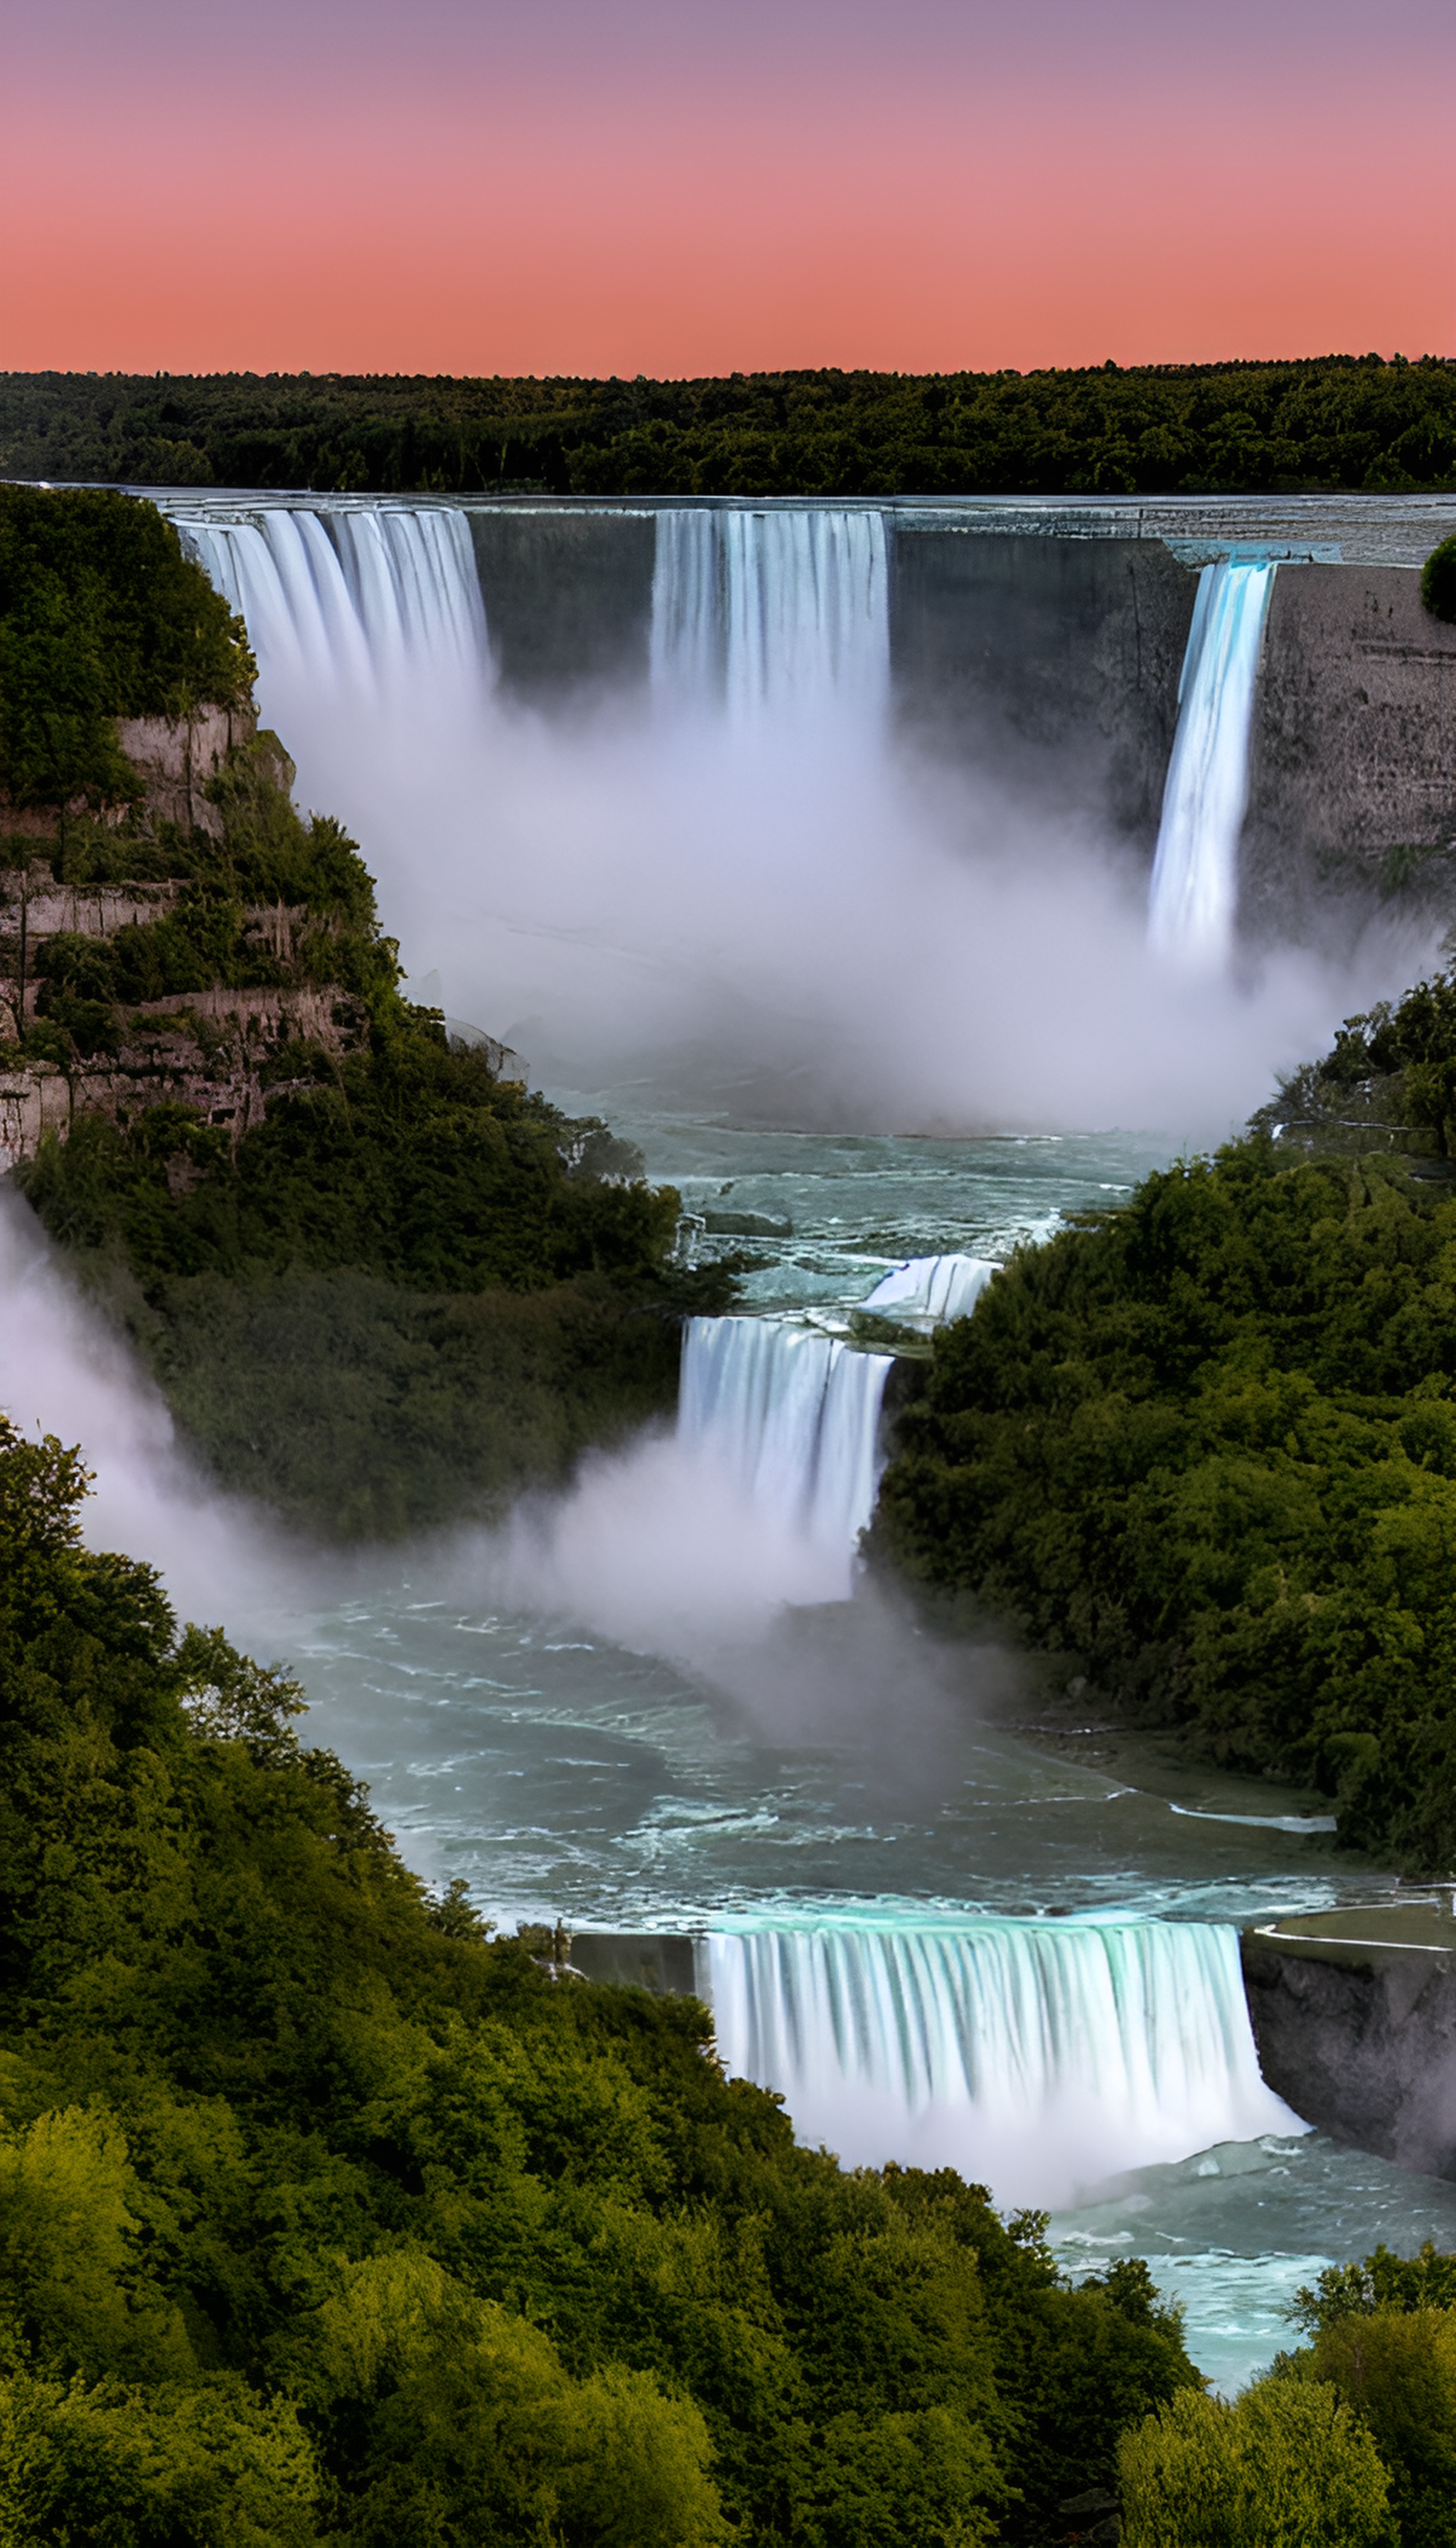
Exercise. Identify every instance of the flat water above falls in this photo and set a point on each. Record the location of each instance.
(858, 1202)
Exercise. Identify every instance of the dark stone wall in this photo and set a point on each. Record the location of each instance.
(568, 598)
(665, 1964)
(1051, 664)
(1363, 2047)
(1353, 748)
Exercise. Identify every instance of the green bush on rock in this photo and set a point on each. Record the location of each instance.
(100, 617)
(1438, 580)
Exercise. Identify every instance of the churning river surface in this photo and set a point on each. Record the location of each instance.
(903, 1826)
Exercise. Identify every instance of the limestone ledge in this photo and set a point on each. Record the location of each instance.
(175, 757)
(215, 1052)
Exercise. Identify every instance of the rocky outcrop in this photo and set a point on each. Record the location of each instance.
(223, 1053)
(1360, 2038)
(176, 759)
(1353, 749)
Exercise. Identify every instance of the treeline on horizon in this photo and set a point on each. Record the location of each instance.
(1337, 422)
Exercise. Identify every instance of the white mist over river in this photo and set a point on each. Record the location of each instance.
(661, 1700)
(733, 881)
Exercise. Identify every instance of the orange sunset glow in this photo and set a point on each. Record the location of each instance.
(650, 207)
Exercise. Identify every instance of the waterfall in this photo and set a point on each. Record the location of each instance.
(792, 1417)
(773, 614)
(1038, 2057)
(382, 600)
(927, 1291)
(1195, 875)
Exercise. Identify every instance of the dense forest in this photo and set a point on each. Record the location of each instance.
(325, 2216)
(408, 1286)
(1236, 428)
(1208, 1444)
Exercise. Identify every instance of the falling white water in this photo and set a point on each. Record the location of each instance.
(793, 1419)
(1034, 2056)
(1194, 893)
(928, 1290)
(384, 602)
(775, 613)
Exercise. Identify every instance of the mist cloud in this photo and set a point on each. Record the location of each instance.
(799, 915)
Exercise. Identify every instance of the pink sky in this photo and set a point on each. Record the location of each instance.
(665, 190)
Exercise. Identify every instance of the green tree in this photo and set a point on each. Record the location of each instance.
(1438, 580)
(100, 617)
(324, 2214)
(1287, 2466)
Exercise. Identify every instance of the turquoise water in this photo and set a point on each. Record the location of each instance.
(857, 1203)
(841, 1763)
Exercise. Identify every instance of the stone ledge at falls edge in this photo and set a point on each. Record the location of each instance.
(1354, 2014)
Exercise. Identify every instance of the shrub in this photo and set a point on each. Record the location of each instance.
(1438, 580)
(1397, 2369)
(1288, 2466)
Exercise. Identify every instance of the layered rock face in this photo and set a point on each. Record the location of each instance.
(1353, 749)
(176, 760)
(221, 1052)
(1359, 2036)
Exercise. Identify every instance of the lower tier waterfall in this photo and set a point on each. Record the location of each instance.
(794, 1418)
(1194, 895)
(1041, 2058)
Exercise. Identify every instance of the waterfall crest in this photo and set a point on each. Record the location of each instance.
(1194, 893)
(383, 600)
(792, 1417)
(768, 613)
(1038, 2056)
(927, 1291)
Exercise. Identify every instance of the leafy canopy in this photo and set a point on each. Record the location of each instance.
(326, 2219)
(100, 617)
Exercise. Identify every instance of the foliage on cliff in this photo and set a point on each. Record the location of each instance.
(326, 2219)
(1209, 1447)
(411, 1287)
(1382, 2335)
(1438, 580)
(1289, 2461)
(1232, 427)
(100, 617)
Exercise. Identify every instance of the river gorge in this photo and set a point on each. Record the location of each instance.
(901, 881)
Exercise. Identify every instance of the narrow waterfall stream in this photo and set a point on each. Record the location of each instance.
(1194, 894)
(942, 1937)
(793, 1416)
